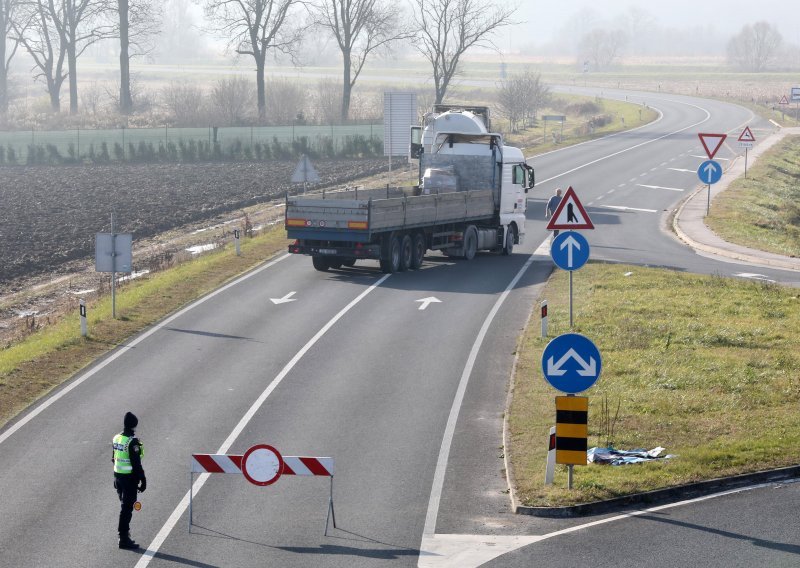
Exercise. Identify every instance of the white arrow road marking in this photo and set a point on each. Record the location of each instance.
(428, 301)
(660, 187)
(623, 208)
(682, 170)
(286, 298)
(589, 369)
(570, 243)
(754, 276)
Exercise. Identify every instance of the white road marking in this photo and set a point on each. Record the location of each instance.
(716, 158)
(663, 164)
(682, 170)
(623, 208)
(611, 191)
(599, 197)
(660, 187)
(621, 185)
(642, 175)
(113, 357)
(543, 249)
(449, 550)
(285, 299)
(428, 301)
(754, 276)
(173, 519)
(449, 431)
(633, 179)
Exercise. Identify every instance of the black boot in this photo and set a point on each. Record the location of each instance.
(127, 543)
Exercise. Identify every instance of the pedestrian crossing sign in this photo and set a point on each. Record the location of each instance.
(570, 214)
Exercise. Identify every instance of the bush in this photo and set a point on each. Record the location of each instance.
(119, 152)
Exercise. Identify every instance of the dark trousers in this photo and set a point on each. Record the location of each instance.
(126, 486)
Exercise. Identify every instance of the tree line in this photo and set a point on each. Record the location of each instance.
(56, 33)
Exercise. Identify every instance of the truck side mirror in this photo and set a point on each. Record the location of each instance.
(415, 147)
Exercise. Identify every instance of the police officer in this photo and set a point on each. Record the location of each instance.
(128, 476)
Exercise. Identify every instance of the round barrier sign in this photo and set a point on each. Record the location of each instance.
(262, 465)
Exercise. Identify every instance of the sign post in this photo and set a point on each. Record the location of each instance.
(746, 141)
(796, 99)
(113, 253)
(82, 309)
(236, 241)
(710, 169)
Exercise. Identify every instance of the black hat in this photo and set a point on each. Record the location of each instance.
(130, 420)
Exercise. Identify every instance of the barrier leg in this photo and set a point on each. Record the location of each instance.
(331, 511)
(191, 482)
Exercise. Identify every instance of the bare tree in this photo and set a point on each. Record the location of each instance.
(360, 27)
(602, 47)
(520, 97)
(137, 22)
(9, 42)
(185, 102)
(640, 23)
(285, 101)
(754, 47)
(254, 27)
(38, 35)
(231, 98)
(179, 39)
(328, 97)
(448, 28)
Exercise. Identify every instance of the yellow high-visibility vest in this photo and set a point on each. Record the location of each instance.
(122, 458)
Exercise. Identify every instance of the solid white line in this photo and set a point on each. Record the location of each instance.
(682, 170)
(544, 248)
(449, 431)
(716, 158)
(184, 503)
(708, 116)
(122, 349)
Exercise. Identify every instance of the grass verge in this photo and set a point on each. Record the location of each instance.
(763, 211)
(31, 368)
(705, 366)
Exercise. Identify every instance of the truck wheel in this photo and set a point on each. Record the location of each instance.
(511, 236)
(320, 263)
(394, 254)
(406, 253)
(418, 251)
(470, 242)
(349, 262)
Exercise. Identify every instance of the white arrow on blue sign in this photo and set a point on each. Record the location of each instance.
(571, 363)
(570, 250)
(709, 172)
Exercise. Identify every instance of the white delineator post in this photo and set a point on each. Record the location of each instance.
(236, 241)
(544, 318)
(82, 308)
(551, 457)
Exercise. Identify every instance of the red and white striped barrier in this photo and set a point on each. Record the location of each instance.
(292, 465)
(283, 465)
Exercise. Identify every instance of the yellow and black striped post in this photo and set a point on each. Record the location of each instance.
(572, 418)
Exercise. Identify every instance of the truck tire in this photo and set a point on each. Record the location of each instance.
(335, 263)
(418, 251)
(470, 242)
(350, 262)
(390, 255)
(511, 236)
(320, 263)
(406, 253)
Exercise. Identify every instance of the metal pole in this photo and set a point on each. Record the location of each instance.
(570, 299)
(84, 331)
(113, 269)
(569, 476)
(191, 482)
(745, 163)
(708, 202)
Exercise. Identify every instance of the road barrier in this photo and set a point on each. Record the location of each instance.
(263, 465)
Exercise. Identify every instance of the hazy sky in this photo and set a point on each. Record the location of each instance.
(725, 16)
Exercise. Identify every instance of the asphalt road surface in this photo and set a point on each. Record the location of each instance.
(408, 401)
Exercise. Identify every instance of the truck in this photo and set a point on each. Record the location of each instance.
(470, 196)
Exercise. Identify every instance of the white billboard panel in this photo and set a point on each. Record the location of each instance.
(399, 115)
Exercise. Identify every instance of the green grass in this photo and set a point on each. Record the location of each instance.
(706, 367)
(32, 367)
(763, 211)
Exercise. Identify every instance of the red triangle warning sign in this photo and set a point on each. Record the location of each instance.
(747, 135)
(783, 101)
(570, 214)
(714, 139)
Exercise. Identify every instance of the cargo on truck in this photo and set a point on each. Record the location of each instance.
(470, 195)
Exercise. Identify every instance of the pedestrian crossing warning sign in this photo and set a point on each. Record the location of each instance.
(570, 214)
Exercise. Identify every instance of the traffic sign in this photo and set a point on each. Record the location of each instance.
(570, 250)
(783, 101)
(746, 138)
(304, 172)
(571, 363)
(709, 140)
(709, 172)
(572, 429)
(795, 94)
(570, 214)
(262, 465)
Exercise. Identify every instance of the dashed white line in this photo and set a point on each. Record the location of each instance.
(682, 170)
(623, 208)
(660, 187)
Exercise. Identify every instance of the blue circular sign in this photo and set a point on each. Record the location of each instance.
(569, 250)
(571, 363)
(709, 172)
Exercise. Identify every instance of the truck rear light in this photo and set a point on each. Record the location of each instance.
(297, 222)
(357, 225)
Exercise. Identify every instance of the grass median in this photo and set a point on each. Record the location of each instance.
(763, 211)
(704, 366)
(31, 368)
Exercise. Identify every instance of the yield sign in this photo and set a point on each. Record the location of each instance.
(715, 139)
(570, 214)
(747, 135)
(783, 101)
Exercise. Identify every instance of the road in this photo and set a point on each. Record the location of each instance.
(408, 401)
